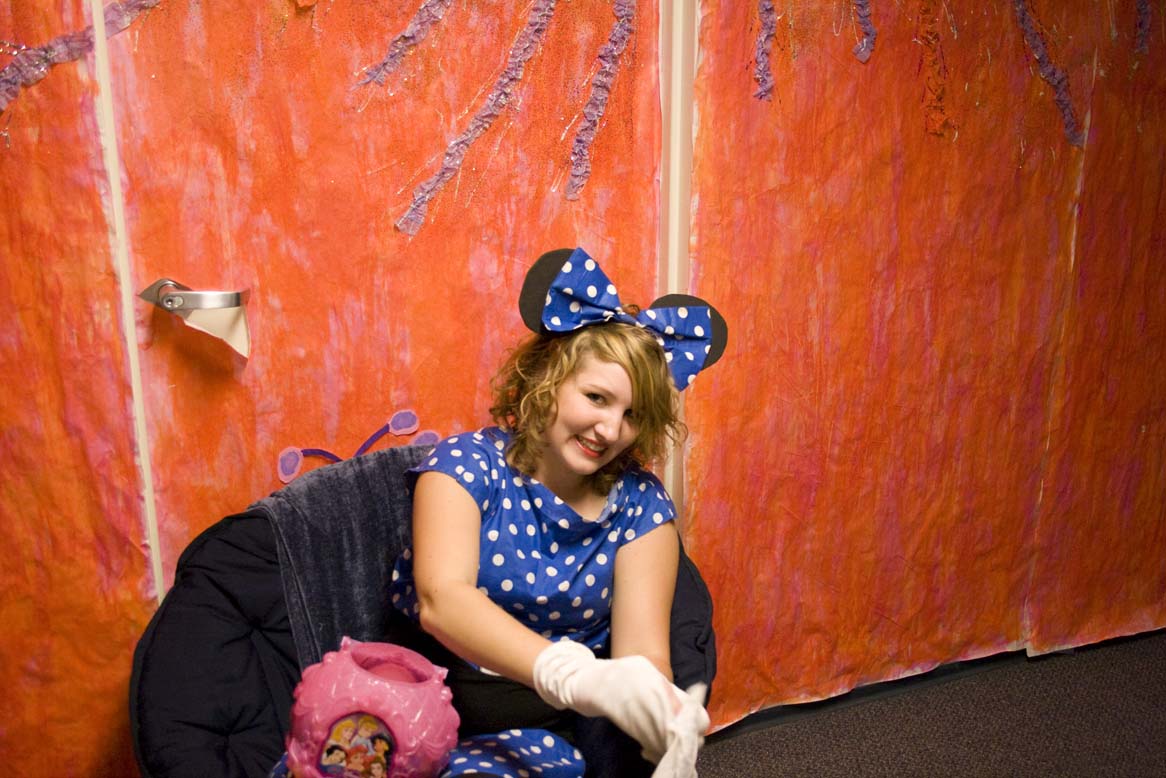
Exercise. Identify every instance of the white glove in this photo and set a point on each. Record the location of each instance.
(629, 691)
(685, 736)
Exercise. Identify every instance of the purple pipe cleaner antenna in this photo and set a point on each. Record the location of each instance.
(290, 461)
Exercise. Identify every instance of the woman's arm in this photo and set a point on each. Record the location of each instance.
(447, 528)
(641, 609)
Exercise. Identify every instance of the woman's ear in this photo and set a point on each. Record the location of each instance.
(533, 297)
(719, 337)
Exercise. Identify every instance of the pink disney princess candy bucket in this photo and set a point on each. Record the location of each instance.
(371, 710)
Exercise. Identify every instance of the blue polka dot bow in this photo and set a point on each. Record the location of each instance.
(581, 294)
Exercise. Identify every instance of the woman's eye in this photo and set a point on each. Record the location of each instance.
(595, 398)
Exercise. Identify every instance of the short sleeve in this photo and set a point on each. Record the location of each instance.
(645, 506)
(474, 460)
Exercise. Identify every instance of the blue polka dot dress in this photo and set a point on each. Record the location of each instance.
(544, 564)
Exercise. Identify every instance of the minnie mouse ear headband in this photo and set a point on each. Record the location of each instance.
(565, 290)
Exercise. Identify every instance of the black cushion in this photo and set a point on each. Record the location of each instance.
(213, 674)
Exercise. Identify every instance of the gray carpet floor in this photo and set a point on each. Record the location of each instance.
(1096, 711)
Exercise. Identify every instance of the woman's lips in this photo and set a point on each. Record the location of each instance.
(593, 450)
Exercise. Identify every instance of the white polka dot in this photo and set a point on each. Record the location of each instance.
(575, 307)
(575, 603)
(567, 267)
(457, 452)
(548, 741)
(586, 542)
(538, 502)
(564, 524)
(498, 560)
(629, 535)
(699, 330)
(651, 314)
(601, 559)
(552, 572)
(530, 577)
(611, 289)
(613, 536)
(564, 586)
(536, 555)
(506, 503)
(541, 599)
(459, 470)
(492, 534)
(520, 554)
(468, 477)
(507, 585)
(588, 613)
(530, 530)
(513, 529)
(592, 291)
(555, 320)
(590, 579)
(657, 518)
(433, 462)
(569, 559)
(555, 549)
(603, 593)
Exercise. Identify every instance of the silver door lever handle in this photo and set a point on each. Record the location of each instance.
(170, 295)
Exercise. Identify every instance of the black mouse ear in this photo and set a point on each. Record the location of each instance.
(720, 334)
(533, 297)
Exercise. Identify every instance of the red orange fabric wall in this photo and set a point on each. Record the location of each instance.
(947, 423)
(938, 430)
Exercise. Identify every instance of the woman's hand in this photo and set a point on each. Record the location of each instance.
(629, 691)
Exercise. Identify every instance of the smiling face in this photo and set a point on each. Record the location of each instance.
(594, 423)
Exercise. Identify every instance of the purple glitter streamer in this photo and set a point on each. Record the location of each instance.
(1052, 74)
(31, 65)
(429, 14)
(1142, 31)
(762, 72)
(865, 47)
(523, 49)
(625, 12)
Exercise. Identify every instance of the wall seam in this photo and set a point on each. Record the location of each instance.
(677, 70)
(119, 249)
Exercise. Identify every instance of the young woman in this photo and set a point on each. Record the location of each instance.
(544, 556)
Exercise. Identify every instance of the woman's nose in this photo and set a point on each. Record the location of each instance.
(608, 425)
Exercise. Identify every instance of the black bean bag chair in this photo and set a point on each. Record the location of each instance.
(263, 594)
